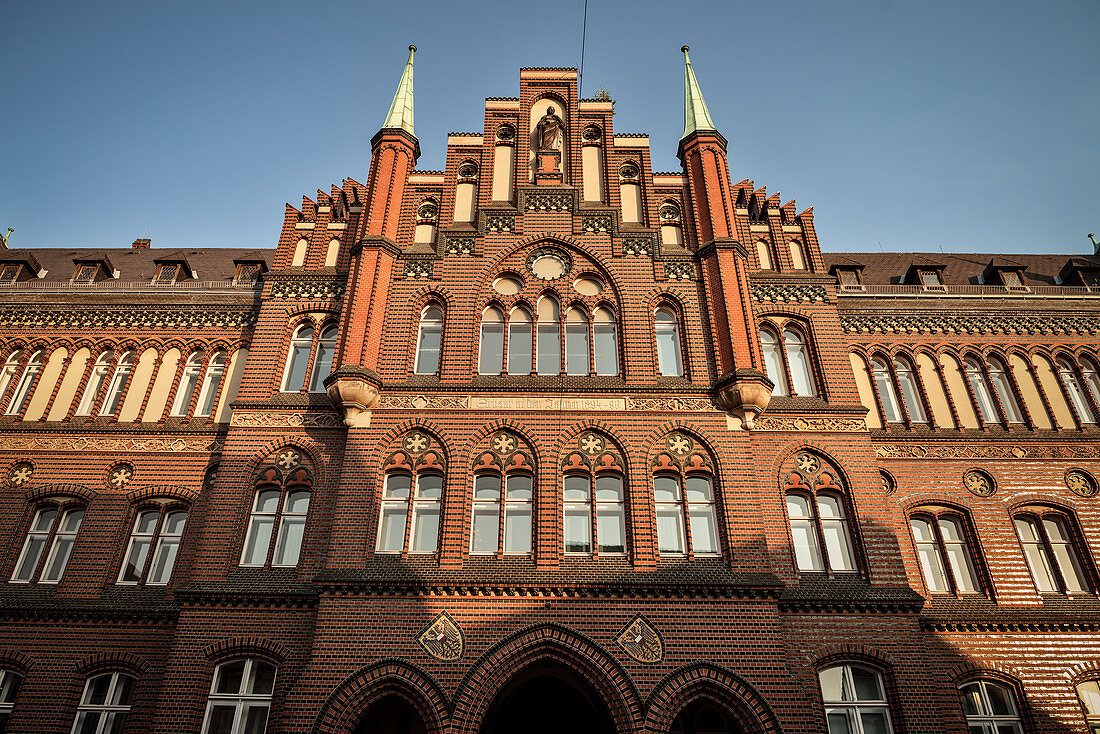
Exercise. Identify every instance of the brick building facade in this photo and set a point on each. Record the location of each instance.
(548, 440)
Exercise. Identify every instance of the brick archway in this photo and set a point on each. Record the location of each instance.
(547, 643)
(724, 688)
(358, 692)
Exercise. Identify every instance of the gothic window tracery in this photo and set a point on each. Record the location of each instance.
(818, 516)
(412, 495)
(684, 498)
(503, 497)
(593, 498)
(280, 506)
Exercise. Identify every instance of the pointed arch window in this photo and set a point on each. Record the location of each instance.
(297, 363)
(211, 382)
(884, 388)
(189, 382)
(322, 362)
(666, 327)
(548, 337)
(116, 390)
(9, 371)
(978, 385)
(98, 376)
(23, 390)
(1067, 372)
(605, 342)
(491, 351)
(1002, 385)
(1091, 375)
(907, 381)
(429, 340)
(519, 341)
(276, 525)
(764, 255)
(502, 526)
(943, 553)
(1051, 551)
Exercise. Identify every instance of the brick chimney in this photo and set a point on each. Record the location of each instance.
(141, 244)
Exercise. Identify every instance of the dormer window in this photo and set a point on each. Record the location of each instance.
(930, 279)
(10, 273)
(166, 273)
(247, 273)
(1091, 278)
(849, 280)
(86, 273)
(1011, 279)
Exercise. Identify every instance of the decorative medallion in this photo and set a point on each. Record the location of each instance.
(889, 486)
(427, 210)
(629, 170)
(668, 212)
(416, 442)
(549, 263)
(210, 476)
(1081, 483)
(679, 444)
(806, 471)
(467, 170)
(979, 483)
(641, 641)
(120, 475)
(506, 133)
(288, 458)
(20, 473)
(443, 639)
(591, 133)
(503, 443)
(807, 463)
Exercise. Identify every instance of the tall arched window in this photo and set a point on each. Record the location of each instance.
(976, 378)
(605, 342)
(666, 327)
(297, 363)
(519, 341)
(548, 337)
(299, 257)
(10, 370)
(411, 512)
(491, 350)
(907, 381)
(855, 700)
(693, 498)
(798, 255)
(23, 390)
(990, 707)
(104, 704)
(116, 390)
(884, 387)
(576, 342)
(96, 378)
(1091, 376)
(819, 531)
(501, 527)
(189, 382)
(9, 688)
(773, 361)
(764, 255)
(429, 341)
(322, 362)
(943, 553)
(240, 697)
(276, 526)
(1088, 693)
(1002, 384)
(787, 361)
(211, 382)
(1067, 372)
(1051, 551)
(594, 519)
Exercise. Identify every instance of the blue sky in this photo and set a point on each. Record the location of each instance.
(967, 125)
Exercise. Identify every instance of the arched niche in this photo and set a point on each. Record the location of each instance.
(538, 110)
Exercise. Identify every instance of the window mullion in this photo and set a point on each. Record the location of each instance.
(941, 548)
(820, 529)
(310, 366)
(906, 418)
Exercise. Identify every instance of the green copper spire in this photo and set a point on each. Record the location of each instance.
(696, 116)
(400, 115)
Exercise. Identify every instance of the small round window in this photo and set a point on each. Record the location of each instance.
(548, 267)
(507, 285)
(588, 286)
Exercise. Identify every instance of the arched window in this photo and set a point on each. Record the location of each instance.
(396, 521)
(322, 362)
(855, 700)
(1002, 384)
(189, 382)
(576, 342)
(159, 531)
(594, 519)
(211, 382)
(990, 707)
(501, 527)
(907, 381)
(695, 499)
(798, 255)
(702, 716)
(1051, 551)
(519, 342)
(764, 255)
(819, 532)
(773, 361)
(1088, 693)
(299, 257)
(943, 553)
(605, 342)
(332, 253)
(96, 378)
(105, 704)
(491, 351)
(1091, 376)
(117, 388)
(976, 378)
(1067, 372)
(666, 327)
(297, 362)
(787, 361)
(240, 697)
(276, 526)
(9, 689)
(54, 528)
(548, 337)
(884, 388)
(11, 368)
(23, 390)
(429, 341)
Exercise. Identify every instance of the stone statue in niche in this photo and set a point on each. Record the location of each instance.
(550, 131)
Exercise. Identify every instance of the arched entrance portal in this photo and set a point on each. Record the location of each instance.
(547, 700)
(702, 716)
(391, 715)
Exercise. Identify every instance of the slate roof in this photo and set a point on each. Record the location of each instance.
(137, 264)
(885, 268)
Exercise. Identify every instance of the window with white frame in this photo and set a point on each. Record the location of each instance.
(9, 689)
(819, 532)
(276, 525)
(1050, 551)
(491, 344)
(519, 341)
(907, 381)
(297, 362)
(9, 371)
(990, 708)
(104, 704)
(154, 545)
(116, 389)
(501, 527)
(605, 342)
(96, 378)
(52, 528)
(429, 341)
(189, 382)
(323, 356)
(884, 389)
(211, 382)
(1088, 693)
(22, 394)
(787, 361)
(666, 328)
(693, 498)
(1067, 372)
(594, 519)
(411, 512)
(855, 700)
(943, 553)
(240, 697)
(1002, 385)
(576, 342)
(548, 337)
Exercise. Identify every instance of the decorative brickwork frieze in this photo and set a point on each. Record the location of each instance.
(309, 289)
(788, 293)
(953, 324)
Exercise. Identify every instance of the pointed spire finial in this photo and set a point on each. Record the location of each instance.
(696, 115)
(400, 115)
